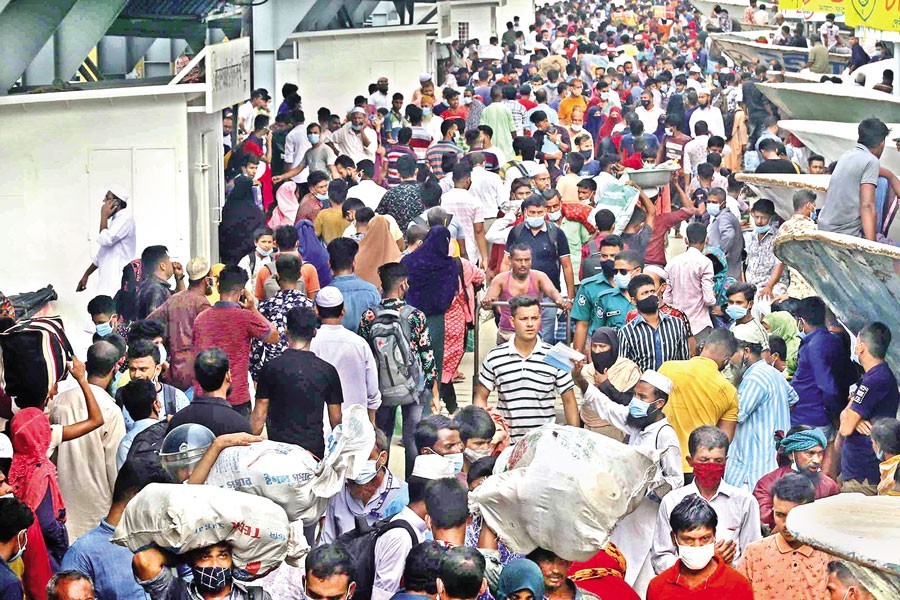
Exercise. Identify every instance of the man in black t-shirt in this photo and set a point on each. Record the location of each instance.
(772, 152)
(293, 388)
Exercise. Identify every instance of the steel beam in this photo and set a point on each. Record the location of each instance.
(31, 24)
(80, 31)
(273, 22)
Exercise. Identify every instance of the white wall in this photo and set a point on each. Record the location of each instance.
(524, 9)
(207, 183)
(332, 68)
(482, 20)
(60, 157)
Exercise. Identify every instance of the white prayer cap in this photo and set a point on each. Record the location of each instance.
(704, 91)
(119, 192)
(660, 382)
(432, 466)
(656, 270)
(329, 297)
(357, 109)
(424, 77)
(197, 268)
(695, 69)
(538, 169)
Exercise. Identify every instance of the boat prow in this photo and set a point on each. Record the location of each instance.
(740, 47)
(780, 188)
(831, 140)
(832, 102)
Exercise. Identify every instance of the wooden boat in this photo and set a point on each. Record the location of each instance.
(742, 46)
(832, 102)
(833, 139)
(873, 72)
(780, 188)
(856, 278)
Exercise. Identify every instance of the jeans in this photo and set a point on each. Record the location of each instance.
(386, 416)
(548, 322)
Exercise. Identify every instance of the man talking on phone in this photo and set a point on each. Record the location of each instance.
(115, 247)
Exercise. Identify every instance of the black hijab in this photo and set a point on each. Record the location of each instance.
(240, 218)
(604, 360)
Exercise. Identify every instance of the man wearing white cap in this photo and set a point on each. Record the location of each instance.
(694, 81)
(708, 113)
(646, 427)
(394, 546)
(355, 138)
(116, 245)
(347, 352)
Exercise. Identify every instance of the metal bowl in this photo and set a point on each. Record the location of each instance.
(654, 177)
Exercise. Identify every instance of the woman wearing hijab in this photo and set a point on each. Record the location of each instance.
(285, 212)
(622, 375)
(610, 132)
(784, 325)
(240, 218)
(313, 251)
(603, 575)
(521, 579)
(433, 285)
(376, 248)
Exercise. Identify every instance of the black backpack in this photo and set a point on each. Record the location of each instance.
(360, 545)
(144, 453)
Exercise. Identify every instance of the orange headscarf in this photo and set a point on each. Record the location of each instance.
(375, 249)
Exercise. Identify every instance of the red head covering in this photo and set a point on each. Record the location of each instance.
(603, 575)
(612, 119)
(32, 475)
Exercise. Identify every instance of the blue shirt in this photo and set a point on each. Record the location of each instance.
(764, 407)
(125, 444)
(10, 586)
(544, 257)
(876, 397)
(359, 295)
(815, 380)
(107, 564)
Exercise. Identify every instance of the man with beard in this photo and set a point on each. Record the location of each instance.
(652, 337)
(380, 98)
(800, 451)
(646, 426)
(708, 113)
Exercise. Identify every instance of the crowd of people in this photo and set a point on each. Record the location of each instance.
(358, 251)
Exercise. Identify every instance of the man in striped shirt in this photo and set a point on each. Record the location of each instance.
(652, 337)
(401, 148)
(435, 154)
(526, 385)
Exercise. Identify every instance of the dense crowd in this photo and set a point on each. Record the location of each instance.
(358, 251)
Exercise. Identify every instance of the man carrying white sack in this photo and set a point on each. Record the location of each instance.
(645, 426)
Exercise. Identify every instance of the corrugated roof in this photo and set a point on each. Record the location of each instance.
(170, 8)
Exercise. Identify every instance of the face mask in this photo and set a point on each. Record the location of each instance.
(763, 228)
(322, 197)
(467, 101)
(356, 127)
(637, 408)
(608, 267)
(696, 557)
(313, 138)
(209, 580)
(9, 495)
(670, 131)
(614, 85)
(814, 215)
(474, 455)
(648, 305)
(534, 222)
(880, 455)
(368, 472)
(586, 154)
(735, 312)
(645, 103)
(577, 127)
(21, 549)
(163, 355)
(103, 329)
(713, 209)
(709, 474)
(426, 112)
(555, 215)
(455, 460)
(622, 281)
(262, 252)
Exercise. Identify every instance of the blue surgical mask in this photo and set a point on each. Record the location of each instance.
(880, 455)
(637, 408)
(356, 127)
(534, 222)
(313, 138)
(713, 209)
(103, 329)
(262, 252)
(763, 228)
(426, 112)
(735, 312)
(367, 473)
(622, 281)
(455, 460)
(555, 215)
(322, 197)
(814, 215)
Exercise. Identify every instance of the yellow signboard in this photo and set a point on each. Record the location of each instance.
(837, 7)
(874, 14)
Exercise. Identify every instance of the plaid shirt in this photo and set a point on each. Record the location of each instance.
(275, 309)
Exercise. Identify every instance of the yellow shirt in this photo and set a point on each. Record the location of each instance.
(567, 105)
(701, 396)
(330, 223)
(888, 486)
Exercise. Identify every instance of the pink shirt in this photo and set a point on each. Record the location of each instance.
(690, 287)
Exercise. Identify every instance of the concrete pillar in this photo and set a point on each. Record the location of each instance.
(273, 21)
(40, 71)
(80, 30)
(30, 23)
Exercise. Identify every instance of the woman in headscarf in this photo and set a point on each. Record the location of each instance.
(621, 373)
(376, 248)
(521, 579)
(433, 285)
(611, 128)
(721, 282)
(240, 218)
(603, 575)
(285, 212)
(783, 324)
(313, 251)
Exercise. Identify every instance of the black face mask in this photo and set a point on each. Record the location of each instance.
(648, 305)
(608, 267)
(602, 361)
(645, 103)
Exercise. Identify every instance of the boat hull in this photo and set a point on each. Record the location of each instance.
(792, 59)
(833, 139)
(831, 102)
(780, 189)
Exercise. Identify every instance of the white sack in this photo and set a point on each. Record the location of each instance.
(564, 489)
(290, 476)
(181, 518)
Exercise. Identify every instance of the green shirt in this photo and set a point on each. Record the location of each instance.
(577, 236)
(600, 304)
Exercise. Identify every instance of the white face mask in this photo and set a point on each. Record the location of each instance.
(22, 546)
(696, 557)
(368, 472)
(163, 355)
(474, 455)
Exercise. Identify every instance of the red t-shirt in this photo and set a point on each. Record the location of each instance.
(230, 328)
(656, 247)
(725, 582)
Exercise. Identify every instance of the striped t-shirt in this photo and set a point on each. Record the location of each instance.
(526, 386)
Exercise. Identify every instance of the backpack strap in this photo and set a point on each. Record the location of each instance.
(252, 258)
(169, 399)
(405, 313)
(399, 524)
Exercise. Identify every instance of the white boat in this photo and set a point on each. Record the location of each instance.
(856, 278)
(742, 46)
(832, 102)
(833, 139)
(780, 188)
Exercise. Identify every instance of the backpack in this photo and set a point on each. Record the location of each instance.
(33, 356)
(144, 453)
(401, 377)
(590, 264)
(360, 545)
(270, 285)
(127, 297)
